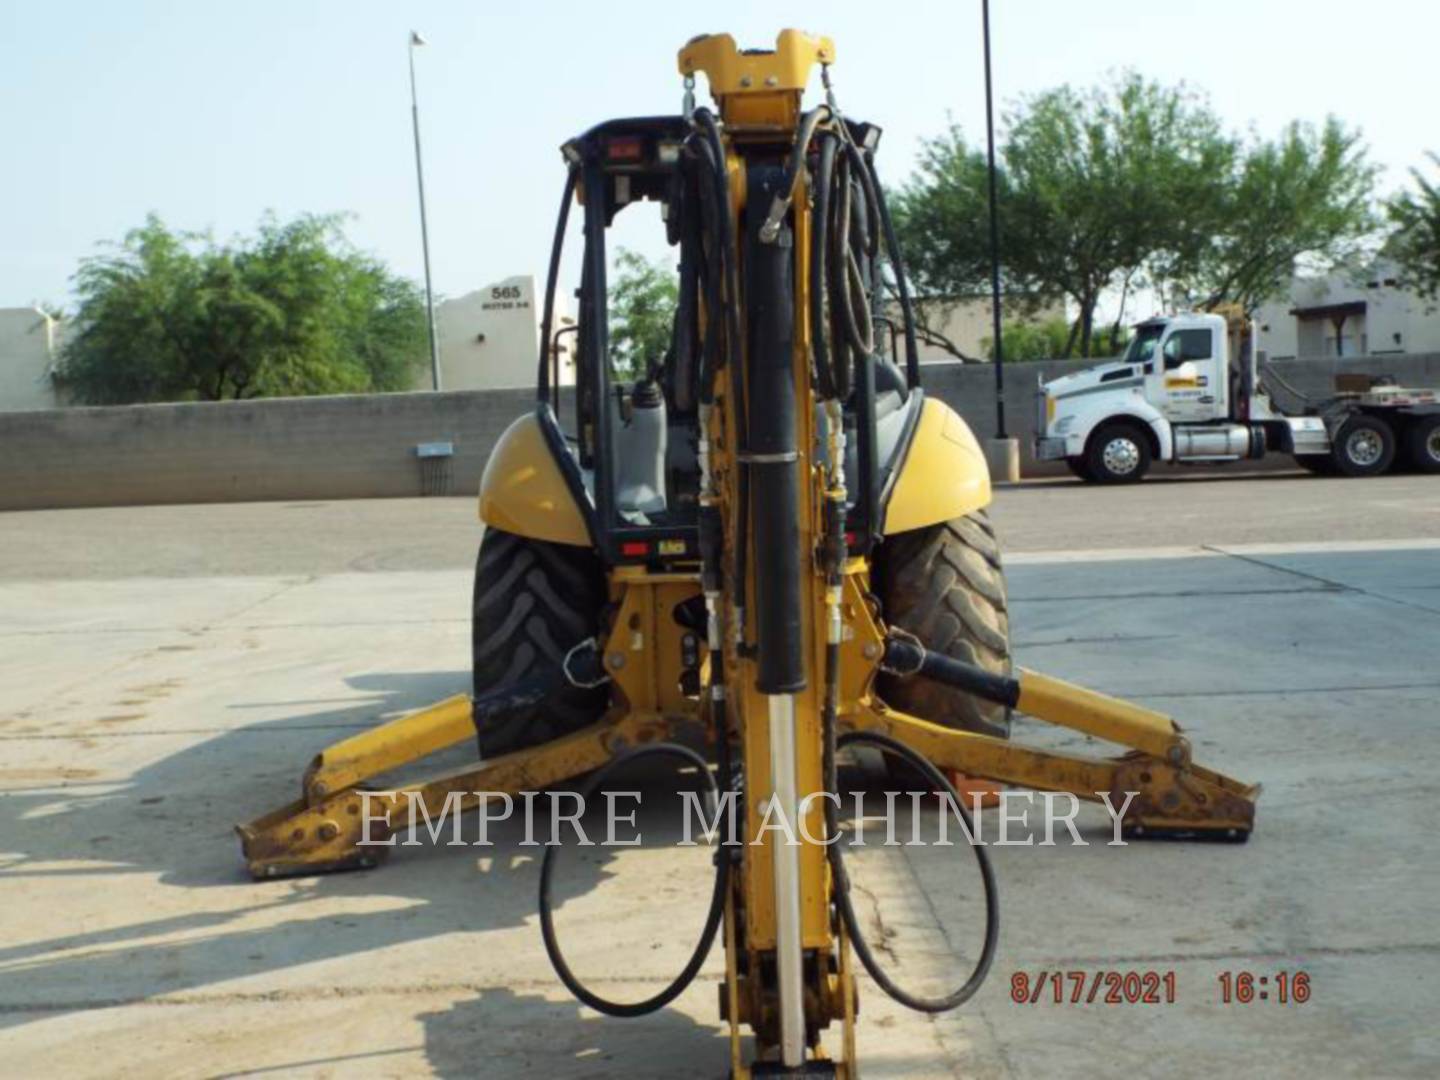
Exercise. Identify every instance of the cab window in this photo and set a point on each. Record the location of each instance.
(1186, 345)
(1142, 345)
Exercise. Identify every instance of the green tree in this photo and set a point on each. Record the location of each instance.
(1088, 184)
(1132, 184)
(1415, 244)
(643, 298)
(940, 220)
(1104, 181)
(167, 316)
(1026, 342)
(1303, 196)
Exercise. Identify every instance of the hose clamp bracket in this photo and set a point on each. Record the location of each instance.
(887, 663)
(588, 645)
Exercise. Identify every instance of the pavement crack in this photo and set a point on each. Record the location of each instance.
(877, 917)
(1178, 595)
(1103, 639)
(1336, 586)
(1281, 690)
(280, 590)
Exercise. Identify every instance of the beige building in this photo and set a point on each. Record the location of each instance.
(29, 344)
(1369, 314)
(490, 338)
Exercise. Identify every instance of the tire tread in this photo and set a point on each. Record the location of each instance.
(946, 585)
(533, 601)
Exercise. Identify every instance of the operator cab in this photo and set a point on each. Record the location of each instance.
(630, 437)
(1186, 369)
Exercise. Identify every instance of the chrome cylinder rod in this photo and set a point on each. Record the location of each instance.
(789, 965)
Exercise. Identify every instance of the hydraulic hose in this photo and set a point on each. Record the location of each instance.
(913, 657)
(552, 276)
(882, 978)
(794, 170)
(729, 305)
(897, 264)
(845, 232)
(831, 373)
(712, 918)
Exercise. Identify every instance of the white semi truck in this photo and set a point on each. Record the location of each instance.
(1190, 390)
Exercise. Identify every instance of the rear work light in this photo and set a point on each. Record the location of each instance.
(625, 148)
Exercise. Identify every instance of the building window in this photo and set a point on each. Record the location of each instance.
(1345, 344)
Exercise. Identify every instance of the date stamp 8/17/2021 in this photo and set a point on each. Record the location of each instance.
(1152, 987)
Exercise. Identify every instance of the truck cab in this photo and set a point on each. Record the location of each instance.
(1186, 390)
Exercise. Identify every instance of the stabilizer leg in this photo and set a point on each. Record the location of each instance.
(1172, 796)
(352, 828)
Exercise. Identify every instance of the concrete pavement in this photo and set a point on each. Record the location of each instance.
(157, 690)
(365, 535)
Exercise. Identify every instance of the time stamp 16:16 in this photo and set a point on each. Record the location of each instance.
(1151, 987)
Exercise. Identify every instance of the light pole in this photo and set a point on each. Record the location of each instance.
(994, 235)
(417, 40)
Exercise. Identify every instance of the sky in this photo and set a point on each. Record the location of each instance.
(209, 114)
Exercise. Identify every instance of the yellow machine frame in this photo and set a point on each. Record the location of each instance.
(943, 476)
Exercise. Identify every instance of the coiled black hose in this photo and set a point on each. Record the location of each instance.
(844, 244)
(712, 918)
(842, 880)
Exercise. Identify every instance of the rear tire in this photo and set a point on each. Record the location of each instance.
(1118, 453)
(533, 602)
(945, 585)
(1364, 446)
(1422, 443)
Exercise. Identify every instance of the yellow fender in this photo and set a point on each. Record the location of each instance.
(525, 490)
(944, 474)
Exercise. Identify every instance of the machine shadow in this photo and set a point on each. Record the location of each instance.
(495, 1035)
(173, 821)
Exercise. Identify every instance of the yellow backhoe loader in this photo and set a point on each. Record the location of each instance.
(770, 535)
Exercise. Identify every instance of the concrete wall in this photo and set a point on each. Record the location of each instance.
(288, 448)
(969, 389)
(364, 446)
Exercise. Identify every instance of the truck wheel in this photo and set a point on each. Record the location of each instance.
(1118, 453)
(1422, 443)
(945, 585)
(1364, 446)
(1080, 469)
(533, 602)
